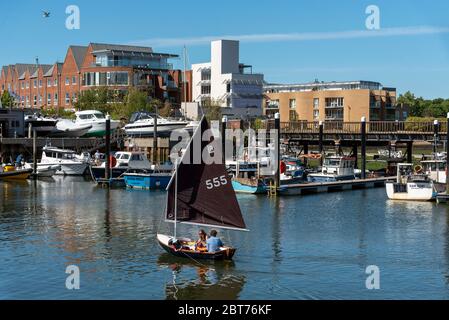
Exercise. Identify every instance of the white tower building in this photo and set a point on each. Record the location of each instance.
(227, 82)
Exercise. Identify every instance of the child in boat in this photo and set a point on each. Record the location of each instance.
(201, 244)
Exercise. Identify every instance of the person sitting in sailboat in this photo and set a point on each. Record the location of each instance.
(213, 242)
(201, 243)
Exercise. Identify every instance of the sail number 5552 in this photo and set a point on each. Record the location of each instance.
(216, 182)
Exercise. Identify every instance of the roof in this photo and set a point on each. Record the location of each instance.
(49, 72)
(117, 47)
(324, 85)
(79, 52)
(121, 49)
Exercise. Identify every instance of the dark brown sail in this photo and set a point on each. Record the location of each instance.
(204, 191)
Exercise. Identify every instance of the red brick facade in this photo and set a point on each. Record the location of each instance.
(59, 85)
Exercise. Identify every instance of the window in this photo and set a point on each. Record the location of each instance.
(27, 84)
(34, 100)
(49, 99)
(67, 81)
(274, 104)
(35, 84)
(55, 99)
(48, 82)
(292, 103)
(316, 103)
(74, 97)
(334, 102)
(67, 98)
(23, 84)
(73, 80)
(228, 88)
(316, 115)
(55, 83)
(205, 89)
(40, 83)
(293, 115)
(40, 100)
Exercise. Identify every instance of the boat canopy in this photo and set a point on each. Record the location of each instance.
(202, 193)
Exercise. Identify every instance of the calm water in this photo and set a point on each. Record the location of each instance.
(314, 247)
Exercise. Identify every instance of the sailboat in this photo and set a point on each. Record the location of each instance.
(200, 193)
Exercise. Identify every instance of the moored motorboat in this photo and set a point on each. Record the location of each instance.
(251, 186)
(42, 125)
(96, 120)
(410, 185)
(144, 125)
(335, 168)
(146, 179)
(70, 162)
(68, 128)
(43, 170)
(10, 172)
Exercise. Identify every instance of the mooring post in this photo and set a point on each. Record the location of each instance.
(363, 148)
(155, 135)
(355, 155)
(409, 151)
(320, 141)
(224, 124)
(435, 136)
(447, 153)
(277, 127)
(108, 148)
(34, 153)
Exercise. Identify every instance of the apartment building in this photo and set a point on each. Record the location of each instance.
(331, 101)
(116, 67)
(228, 82)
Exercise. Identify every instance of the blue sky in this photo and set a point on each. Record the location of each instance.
(288, 41)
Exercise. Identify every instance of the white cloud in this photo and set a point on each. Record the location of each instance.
(306, 36)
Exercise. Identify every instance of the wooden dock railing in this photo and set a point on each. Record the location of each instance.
(373, 127)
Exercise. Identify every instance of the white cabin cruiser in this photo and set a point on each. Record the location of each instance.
(97, 120)
(68, 128)
(335, 168)
(410, 186)
(435, 169)
(144, 125)
(70, 162)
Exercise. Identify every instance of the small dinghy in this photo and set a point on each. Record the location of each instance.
(10, 172)
(200, 193)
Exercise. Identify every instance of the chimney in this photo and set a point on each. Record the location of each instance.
(37, 61)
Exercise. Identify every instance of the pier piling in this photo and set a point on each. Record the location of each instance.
(410, 151)
(320, 141)
(108, 148)
(363, 147)
(435, 135)
(277, 127)
(34, 152)
(224, 123)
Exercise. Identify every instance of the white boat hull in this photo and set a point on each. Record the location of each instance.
(70, 169)
(148, 130)
(414, 191)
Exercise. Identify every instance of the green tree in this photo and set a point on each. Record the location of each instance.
(7, 99)
(93, 99)
(212, 109)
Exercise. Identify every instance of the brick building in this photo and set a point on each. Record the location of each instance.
(116, 67)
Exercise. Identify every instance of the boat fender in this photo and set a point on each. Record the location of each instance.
(112, 161)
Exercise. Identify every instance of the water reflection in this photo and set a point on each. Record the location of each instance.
(201, 280)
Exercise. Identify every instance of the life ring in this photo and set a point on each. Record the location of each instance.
(418, 169)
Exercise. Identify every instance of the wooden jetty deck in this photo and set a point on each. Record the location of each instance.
(318, 187)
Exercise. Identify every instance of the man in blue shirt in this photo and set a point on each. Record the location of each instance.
(213, 243)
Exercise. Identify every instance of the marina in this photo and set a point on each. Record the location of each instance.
(263, 152)
(319, 251)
